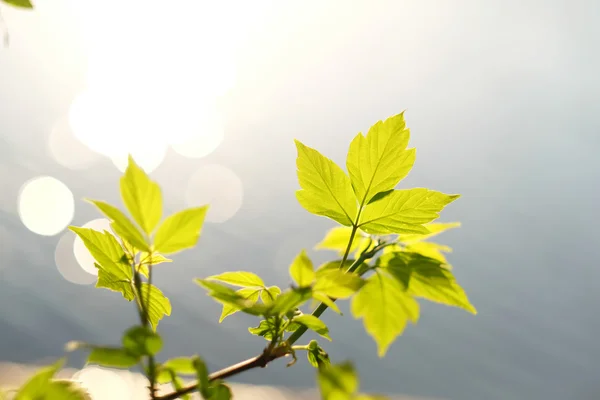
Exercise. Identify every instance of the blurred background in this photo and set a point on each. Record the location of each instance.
(502, 99)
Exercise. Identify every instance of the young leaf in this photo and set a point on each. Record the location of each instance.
(141, 341)
(36, 385)
(239, 278)
(378, 162)
(434, 228)
(313, 323)
(159, 304)
(338, 284)
(266, 329)
(202, 376)
(19, 3)
(250, 294)
(226, 295)
(178, 384)
(110, 281)
(290, 300)
(326, 189)
(106, 250)
(337, 382)
(112, 357)
(141, 196)
(431, 250)
(64, 390)
(220, 391)
(180, 231)
(269, 295)
(426, 278)
(338, 238)
(153, 259)
(302, 270)
(317, 357)
(385, 307)
(181, 365)
(122, 225)
(404, 211)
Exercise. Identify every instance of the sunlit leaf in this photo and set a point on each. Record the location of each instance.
(178, 384)
(202, 376)
(141, 196)
(313, 323)
(36, 385)
(113, 282)
(378, 161)
(325, 188)
(238, 278)
(404, 211)
(289, 300)
(337, 382)
(142, 341)
(323, 298)
(112, 357)
(226, 295)
(270, 294)
(122, 225)
(317, 357)
(434, 228)
(220, 391)
(159, 304)
(65, 390)
(426, 278)
(19, 3)
(337, 239)
(338, 284)
(385, 306)
(153, 259)
(180, 231)
(250, 294)
(266, 329)
(302, 270)
(431, 250)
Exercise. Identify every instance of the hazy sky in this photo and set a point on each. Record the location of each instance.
(502, 99)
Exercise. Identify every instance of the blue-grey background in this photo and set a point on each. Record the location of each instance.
(502, 99)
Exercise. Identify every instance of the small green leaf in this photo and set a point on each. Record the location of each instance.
(153, 259)
(251, 294)
(141, 341)
(180, 231)
(338, 238)
(426, 278)
(431, 250)
(338, 284)
(385, 306)
(337, 382)
(36, 386)
(226, 295)
(378, 161)
(19, 3)
(325, 188)
(302, 270)
(313, 323)
(333, 265)
(112, 357)
(142, 197)
(239, 278)
(65, 390)
(323, 298)
(181, 365)
(269, 295)
(404, 211)
(122, 225)
(159, 304)
(110, 281)
(289, 300)
(220, 391)
(178, 384)
(317, 357)
(266, 328)
(104, 247)
(202, 376)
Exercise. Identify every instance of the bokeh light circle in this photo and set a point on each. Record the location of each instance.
(220, 188)
(67, 150)
(103, 384)
(67, 264)
(45, 205)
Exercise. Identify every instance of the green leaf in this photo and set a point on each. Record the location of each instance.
(220, 391)
(159, 304)
(313, 323)
(323, 298)
(269, 295)
(202, 376)
(153, 259)
(112, 357)
(266, 328)
(19, 3)
(181, 365)
(142, 341)
(378, 161)
(180, 231)
(251, 294)
(178, 384)
(226, 295)
(122, 225)
(36, 386)
(385, 307)
(333, 265)
(431, 250)
(65, 390)
(141, 196)
(338, 238)
(404, 211)
(434, 228)
(302, 270)
(338, 284)
(337, 382)
(110, 281)
(107, 251)
(325, 188)
(370, 397)
(317, 357)
(239, 278)
(426, 278)
(289, 300)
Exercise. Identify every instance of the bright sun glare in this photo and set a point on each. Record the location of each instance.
(155, 82)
